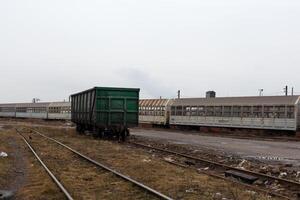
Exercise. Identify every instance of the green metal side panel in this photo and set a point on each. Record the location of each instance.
(117, 106)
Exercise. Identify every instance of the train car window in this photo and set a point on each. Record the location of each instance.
(201, 111)
(173, 110)
(156, 112)
(290, 108)
(151, 111)
(7, 109)
(161, 113)
(268, 111)
(210, 111)
(179, 110)
(290, 112)
(280, 108)
(257, 111)
(236, 111)
(246, 111)
(226, 111)
(194, 110)
(185, 111)
(218, 111)
(188, 111)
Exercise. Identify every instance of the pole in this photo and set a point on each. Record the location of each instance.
(178, 94)
(286, 90)
(261, 92)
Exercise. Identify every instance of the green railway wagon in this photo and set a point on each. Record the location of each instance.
(106, 111)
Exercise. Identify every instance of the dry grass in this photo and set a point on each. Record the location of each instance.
(176, 182)
(82, 179)
(7, 162)
(21, 172)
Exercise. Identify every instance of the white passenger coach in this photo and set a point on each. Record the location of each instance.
(154, 111)
(268, 112)
(53, 110)
(264, 112)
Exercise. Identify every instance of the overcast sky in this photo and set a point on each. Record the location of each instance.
(52, 48)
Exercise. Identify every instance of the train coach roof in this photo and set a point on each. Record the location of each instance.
(41, 104)
(263, 100)
(7, 105)
(32, 105)
(153, 102)
(106, 88)
(60, 104)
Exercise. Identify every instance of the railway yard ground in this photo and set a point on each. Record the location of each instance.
(274, 151)
(172, 175)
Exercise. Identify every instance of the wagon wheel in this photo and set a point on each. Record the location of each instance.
(95, 135)
(123, 135)
(80, 129)
(100, 133)
(127, 132)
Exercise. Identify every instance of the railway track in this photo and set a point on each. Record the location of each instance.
(289, 189)
(87, 161)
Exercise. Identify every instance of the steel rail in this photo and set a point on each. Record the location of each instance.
(141, 185)
(57, 182)
(218, 164)
(265, 191)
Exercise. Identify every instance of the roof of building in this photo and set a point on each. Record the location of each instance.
(254, 100)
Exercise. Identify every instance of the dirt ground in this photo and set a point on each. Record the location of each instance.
(21, 173)
(30, 181)
(82, 179)
(275, 169)
(274, 152)
(171, 180)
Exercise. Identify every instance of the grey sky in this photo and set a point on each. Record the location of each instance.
(50, 49)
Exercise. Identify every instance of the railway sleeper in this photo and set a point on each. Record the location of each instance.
(246, 178)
